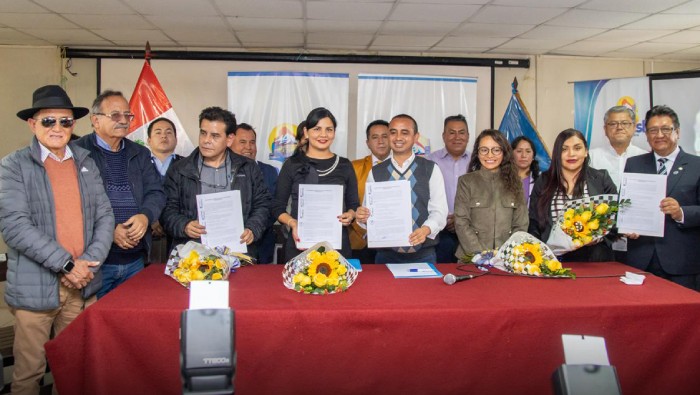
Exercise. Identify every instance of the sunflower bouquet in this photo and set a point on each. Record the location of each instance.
(194, 261)
(525, 254)
(319, 270)
(584, 221)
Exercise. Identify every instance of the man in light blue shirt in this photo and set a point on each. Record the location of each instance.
(453, 161)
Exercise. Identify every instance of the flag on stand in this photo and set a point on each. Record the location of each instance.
(149, 102)
(517, 122)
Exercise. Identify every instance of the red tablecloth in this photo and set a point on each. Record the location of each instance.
(490, 335)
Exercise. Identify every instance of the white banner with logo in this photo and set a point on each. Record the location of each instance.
(593, 98)
(274, 103)
(428, 99)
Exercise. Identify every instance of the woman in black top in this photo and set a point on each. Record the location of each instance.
(319, 165)
(569, 177)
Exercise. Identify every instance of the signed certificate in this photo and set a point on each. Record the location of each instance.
(390, 221)
(644, 216)
(222, 214)
(319, 208)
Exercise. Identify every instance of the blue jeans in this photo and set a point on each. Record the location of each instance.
(113, 275)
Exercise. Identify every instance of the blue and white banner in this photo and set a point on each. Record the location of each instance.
(428, 99)
(593, 98)
(274, 103)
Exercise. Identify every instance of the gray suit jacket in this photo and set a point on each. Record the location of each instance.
(677, 249)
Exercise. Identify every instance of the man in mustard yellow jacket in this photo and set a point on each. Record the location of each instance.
(378, 144)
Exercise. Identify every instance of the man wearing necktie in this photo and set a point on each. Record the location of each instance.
(673, 256)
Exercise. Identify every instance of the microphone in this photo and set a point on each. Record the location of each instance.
(450, 278)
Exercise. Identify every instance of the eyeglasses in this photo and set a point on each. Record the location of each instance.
(665, 130)
(495, 151)
(615, 124)
(117, 116)
(49, 122)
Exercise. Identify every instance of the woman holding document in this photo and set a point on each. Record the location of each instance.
(569, 177)
(319, 165)
(489, 205)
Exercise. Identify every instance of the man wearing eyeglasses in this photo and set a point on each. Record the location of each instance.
(453, 161)
(211, 168)
(132, 184)
(673, 256)
(619, 128)
(57, 223)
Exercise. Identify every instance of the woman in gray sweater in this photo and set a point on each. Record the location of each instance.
(489, 205)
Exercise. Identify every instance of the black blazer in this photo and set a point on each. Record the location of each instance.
(677, 250)
(598, 182)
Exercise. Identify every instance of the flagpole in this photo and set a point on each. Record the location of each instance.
(147, 55)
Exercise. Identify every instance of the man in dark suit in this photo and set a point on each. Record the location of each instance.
(673, 256)
(244, 143)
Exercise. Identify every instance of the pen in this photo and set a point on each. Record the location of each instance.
(420, 270)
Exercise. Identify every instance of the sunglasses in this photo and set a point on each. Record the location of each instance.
(48, 122)
(117, 116)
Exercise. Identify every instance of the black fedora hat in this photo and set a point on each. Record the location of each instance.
(51, 96)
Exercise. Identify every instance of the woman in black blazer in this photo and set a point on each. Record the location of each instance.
(569, 177)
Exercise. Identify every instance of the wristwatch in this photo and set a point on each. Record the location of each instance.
(68, 266)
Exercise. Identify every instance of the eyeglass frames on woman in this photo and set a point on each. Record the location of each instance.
(117, 116)
(49, 122)
(495, 151)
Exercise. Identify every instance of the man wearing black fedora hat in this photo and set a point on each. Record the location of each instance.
(57, 222)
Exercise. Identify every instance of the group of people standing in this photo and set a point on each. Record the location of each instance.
(79, 217)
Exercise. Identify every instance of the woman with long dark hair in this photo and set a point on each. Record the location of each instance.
(489, 205)
(525, 162)
(319, 165)
(569, 177)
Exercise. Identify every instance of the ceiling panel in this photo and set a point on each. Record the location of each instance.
(169, 7)
(566, 33)
(287, 25)
(98, 7)
(433, 12)
(589, 18)
(261, 8)
(122, 22)
(516, 15)
(347, 11)
(36, 20)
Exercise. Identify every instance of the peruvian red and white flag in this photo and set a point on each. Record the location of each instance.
(149, 102)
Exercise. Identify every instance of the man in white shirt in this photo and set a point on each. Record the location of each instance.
(619, 128)
(428, 194)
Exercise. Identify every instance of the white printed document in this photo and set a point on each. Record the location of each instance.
(222, 214)
(390, 221)
(643, 216)
(319, 208)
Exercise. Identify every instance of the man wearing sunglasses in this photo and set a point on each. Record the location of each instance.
(132, 184)
(673, 256)
(57, 222)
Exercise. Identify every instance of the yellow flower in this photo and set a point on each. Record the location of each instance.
(578, 243)
(305, 280)
(323, 265)
(534, 269)
(219, 264)
(297, 277)
(530, 252)
(320, 279)
(333, 281)
(342, 269)
(197, 275)
(569, 214)
(586, 216)
(567, 224)
(593, 225)
(216, 276)
(332, 255)
(602, 208)
(553, 265)
(313, 255)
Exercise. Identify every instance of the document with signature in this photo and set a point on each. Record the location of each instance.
(222, 214)
(644, 216)
(390, 221)
(319, 208)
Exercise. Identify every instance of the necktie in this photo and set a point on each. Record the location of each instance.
(662, 166)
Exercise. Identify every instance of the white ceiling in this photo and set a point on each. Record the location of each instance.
(668, 29)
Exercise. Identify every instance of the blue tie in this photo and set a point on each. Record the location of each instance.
(662, 166)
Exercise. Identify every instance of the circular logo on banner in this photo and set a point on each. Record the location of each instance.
(282, 141)
(629, 102)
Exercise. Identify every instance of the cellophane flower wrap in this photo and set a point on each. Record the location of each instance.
(320, 270)
(524, 254)
(194, 261)
(584, 221)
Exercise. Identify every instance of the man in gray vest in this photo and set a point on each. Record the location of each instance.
(427, 189)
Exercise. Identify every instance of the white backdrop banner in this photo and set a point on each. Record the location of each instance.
(274, 103)
(593, 98)
(428, 99)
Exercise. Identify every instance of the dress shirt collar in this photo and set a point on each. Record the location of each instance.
(406, 163)
(103, 144)
(671, 157)
(45, 153)
(376, 160)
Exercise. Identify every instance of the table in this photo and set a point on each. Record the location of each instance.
(490, 335)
